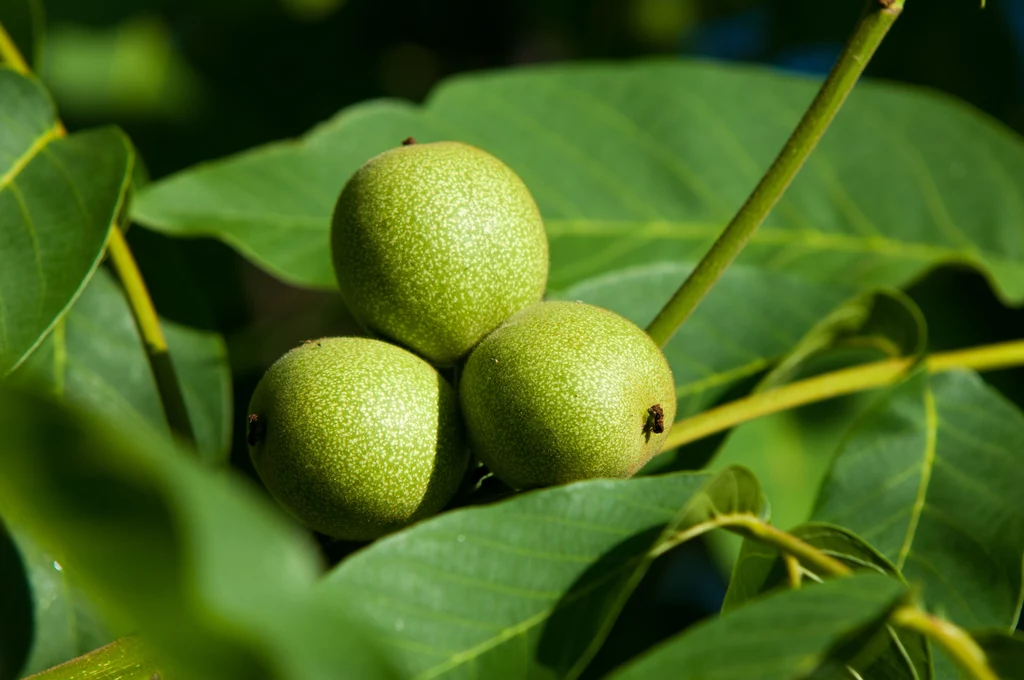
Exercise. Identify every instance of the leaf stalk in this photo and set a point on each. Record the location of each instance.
(836, 384)
(876, 19)
(752, 526)
(957, 642)
(953, 639)
(152, 333)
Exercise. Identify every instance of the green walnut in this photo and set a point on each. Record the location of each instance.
(565, 391)
(356, 437)
(435, 245)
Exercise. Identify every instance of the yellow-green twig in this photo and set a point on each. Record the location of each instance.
(835, 384)
(877, 18)
(955, 641)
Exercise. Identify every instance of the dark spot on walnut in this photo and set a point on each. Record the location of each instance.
(656, 419)
(408, 141)
(257, 429)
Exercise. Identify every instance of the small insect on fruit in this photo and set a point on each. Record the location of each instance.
(656, 422)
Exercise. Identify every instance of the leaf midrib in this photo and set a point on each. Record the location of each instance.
(37, 146)
(927, 464)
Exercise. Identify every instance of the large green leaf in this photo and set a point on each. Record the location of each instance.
(761, 569)
(932, 478)
(95, 357)
(636, 169)
(58, 200)
(528, 587)
(206, 570)
(781, 637)
(643, 163)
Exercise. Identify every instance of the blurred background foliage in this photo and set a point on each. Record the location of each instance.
(191, 80)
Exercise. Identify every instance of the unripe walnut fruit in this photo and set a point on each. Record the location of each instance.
(565, 391)
(356, 437)
(434, 245)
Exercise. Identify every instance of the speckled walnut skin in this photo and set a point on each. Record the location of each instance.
(356, 437)
(434, 245)
(564, 391)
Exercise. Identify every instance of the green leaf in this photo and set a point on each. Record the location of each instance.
(530, 586)
(58, 200)
(1005, 653)
(877, 325)
(65, 623)
(761, 569)
(642, 163)
(790, 452)
(931, 477)
(784, 636)
(209, 573)
(96, 358)
(636, 169)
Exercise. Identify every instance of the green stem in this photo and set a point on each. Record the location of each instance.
(152, 335)
(835, 384)
(874, 23)
(960, 646)
(788, 544)
(751, 526)
(123, 659)
(135, 287)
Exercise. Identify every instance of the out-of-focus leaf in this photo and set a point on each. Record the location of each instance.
(761, 569)
(803, 633)
(932, 478)
(95, 357)
(58, 200)
(217, 580)
(530, 586)
(65, 623)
